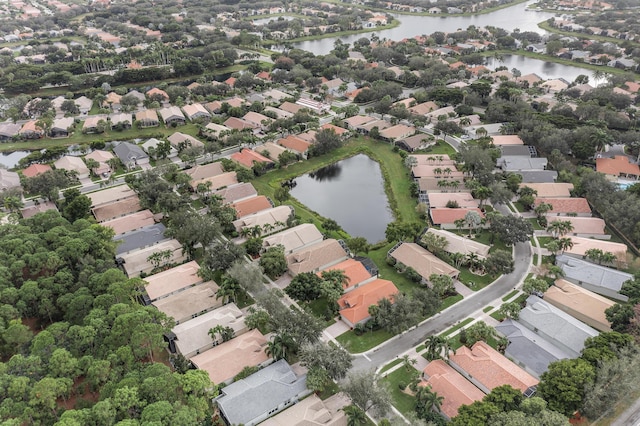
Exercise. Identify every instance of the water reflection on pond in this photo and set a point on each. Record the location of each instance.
(352, 193)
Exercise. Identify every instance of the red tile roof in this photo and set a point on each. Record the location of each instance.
(490, 368)
(450, 384)
(354, 306)
(616, 166)
(565, 205)
(294, 143)
(252, 205)
(354, 270)
(449, 216)
(247, 157)
(35, 170)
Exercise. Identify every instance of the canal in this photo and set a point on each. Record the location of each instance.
(351, 192)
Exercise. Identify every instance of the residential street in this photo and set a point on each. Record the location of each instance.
(490, 295)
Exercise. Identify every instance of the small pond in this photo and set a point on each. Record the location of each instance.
(351, 192)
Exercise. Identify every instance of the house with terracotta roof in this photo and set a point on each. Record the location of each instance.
(172, 281)
(35, 209)
(30, 130)
(180, 140)
(158, 93)
(216, 182)
(423, 108)
(270, 220)
(238, 192)
(618, 167)
(460, 244)
(296, 238)
(247, 158)
(500, 140)
(271, 150)
(290, 107)
(446, 218)
(550, 190)
(195, 111)
(354, 305)
(586, 227)
(442, 199)
(257, 120)
(449, 384)
(295, 144)
(316, 257)
(340, 131)
(9, 131)
(35, 170)
(357, 120)
(190, 303)
(235, 123)
(527, 349)
(582, 245)
(172, 115)
(397, 132)
(597, 278)
(72, 164)
(580, 303)
(62, 127)
(251, 205)
(558, 327)
(355, 271)
(415, 142)
(312, 411)
(192, 337)
(566, 206)
(487, 368)
(423, 261)
(225, 361)
(130, 222)
(137, 262)
(147, 118)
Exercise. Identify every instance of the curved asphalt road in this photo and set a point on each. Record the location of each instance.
(398, 345)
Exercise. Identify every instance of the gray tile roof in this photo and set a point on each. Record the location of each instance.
(127, 151)
(248, 400)
(581, 271)
(529, 349)
(143, 237)
(538, 176)
(560, 328)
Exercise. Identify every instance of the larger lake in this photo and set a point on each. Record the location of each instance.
(351, 192)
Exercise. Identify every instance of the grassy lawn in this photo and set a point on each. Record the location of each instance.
(406, 404)
(487, 309)
(543, 241)
(473, 281)
(318, 307)
(421, 348)
(519, 206)
(357, 344)
(388, 272)
(535, 259)
(497, 315)
(441, 147)
(451, 300)
(330, 390)
(390, 365)
(456, 344)
(535, 224)
(244, 300)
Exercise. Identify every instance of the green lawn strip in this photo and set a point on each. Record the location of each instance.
(535, 259)
(244, 300)
(487, 309)
(368, 340)
(498, 316)
(421, 348)
(456, 327)
(406, 404)
(450, 301)
(510, 295)
(519, 206)
(473, 281)
(390, 365)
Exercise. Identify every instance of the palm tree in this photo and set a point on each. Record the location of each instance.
(564, 244)
(482, 193)
(465, 121)
(457, 259)
(560, 228)
(408, 362)
(434, 346)
(600, 138)
(279, 346)
(228, 290)
(12, 203)
(355, 415)
(428, 399)
(472, 260)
